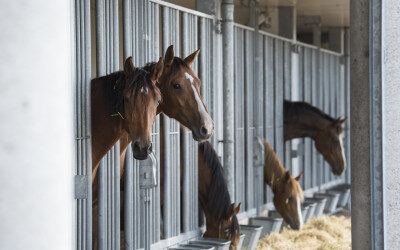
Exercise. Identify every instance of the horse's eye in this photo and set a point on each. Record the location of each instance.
(158, 101)
(176, 86)
(339, 129)
(290, 199)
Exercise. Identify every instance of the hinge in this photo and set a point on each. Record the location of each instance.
(81, 186)
(295, 48)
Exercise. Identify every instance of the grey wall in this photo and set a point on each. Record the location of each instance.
(36, 124)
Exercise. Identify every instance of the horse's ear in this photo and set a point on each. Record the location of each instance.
(169, 56)
(128, 67)
(157, 70)
(286, 178)
(298, 177)
(230, 212)
(190, 58)
(237, 209)
(342, 120)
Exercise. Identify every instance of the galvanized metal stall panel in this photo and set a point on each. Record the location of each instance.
(141, 207)
(240, 174)
(278, 92)
(307, 157)
(248, 116)
(287, 68)
(107, 55)
(300, 95)
(189, 147)
(269, 101)
(170, 159)
(83, 161)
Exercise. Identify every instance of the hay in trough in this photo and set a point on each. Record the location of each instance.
(332, 232)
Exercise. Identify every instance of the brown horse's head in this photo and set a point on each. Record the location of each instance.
(329, 142)
(141, 98)
(228, 227)
(180, 88)
(288, 197)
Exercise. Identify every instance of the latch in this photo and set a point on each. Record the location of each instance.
(148, 172)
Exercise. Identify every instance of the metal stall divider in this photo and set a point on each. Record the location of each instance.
(170, 151)
(83, 161)
(315, 164)
(107, 54)
(278, 97)
(258, 121)
(269, 105)
(249, 132)
(307, 157)
(287, 161)
(299, 97)
(239, 53)
(141, 205)
(189, 147)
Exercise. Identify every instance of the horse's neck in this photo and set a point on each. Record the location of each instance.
(204, 180)
(106, 127)
(273, 169)
(302, 124)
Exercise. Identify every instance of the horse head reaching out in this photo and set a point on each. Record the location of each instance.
(288, 194)
(288, 198)
(329, 142)
(180, 88)
(140, 98)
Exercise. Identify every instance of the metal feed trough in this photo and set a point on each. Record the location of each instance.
(269, 224)
(267, 69)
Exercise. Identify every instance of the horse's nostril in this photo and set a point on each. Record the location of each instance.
(203, 131)
(136, 145)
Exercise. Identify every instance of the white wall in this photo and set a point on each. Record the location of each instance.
(36, 124)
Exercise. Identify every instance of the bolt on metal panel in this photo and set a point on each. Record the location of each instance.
(82, 77)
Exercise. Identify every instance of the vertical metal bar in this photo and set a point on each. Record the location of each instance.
(107, 62)
(82, 61)
(314, 86)
(288, 93)
(307, 98)
(228, 77)
(279, 99)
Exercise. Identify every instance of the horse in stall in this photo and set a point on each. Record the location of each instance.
(181, 100)
(303, 120)
(288, 194)
(123, 103)
(221, 220)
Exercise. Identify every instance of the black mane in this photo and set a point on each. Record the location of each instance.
(114, 84)
(218, 197)
(296, 109)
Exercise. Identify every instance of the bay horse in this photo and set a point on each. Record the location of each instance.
(221, 220)
(181, 99)
(123, 103)
(288, 194)
(304, 120)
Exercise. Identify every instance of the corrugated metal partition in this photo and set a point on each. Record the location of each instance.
(107, 55)
(189, 147)
(141, 41)
(263, 78)
(83, 168)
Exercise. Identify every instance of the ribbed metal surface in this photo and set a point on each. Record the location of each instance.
(171, 137)
(107, 55)
(189, 147)
(278, 86)
(141, 41)
(239, 52)
(307, 159)
(269, 101)
(287, 69)
(82, 77)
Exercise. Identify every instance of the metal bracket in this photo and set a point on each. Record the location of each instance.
(81, 186)
(218, 26)
(148, 172)
(259, 152)
(295, 48)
